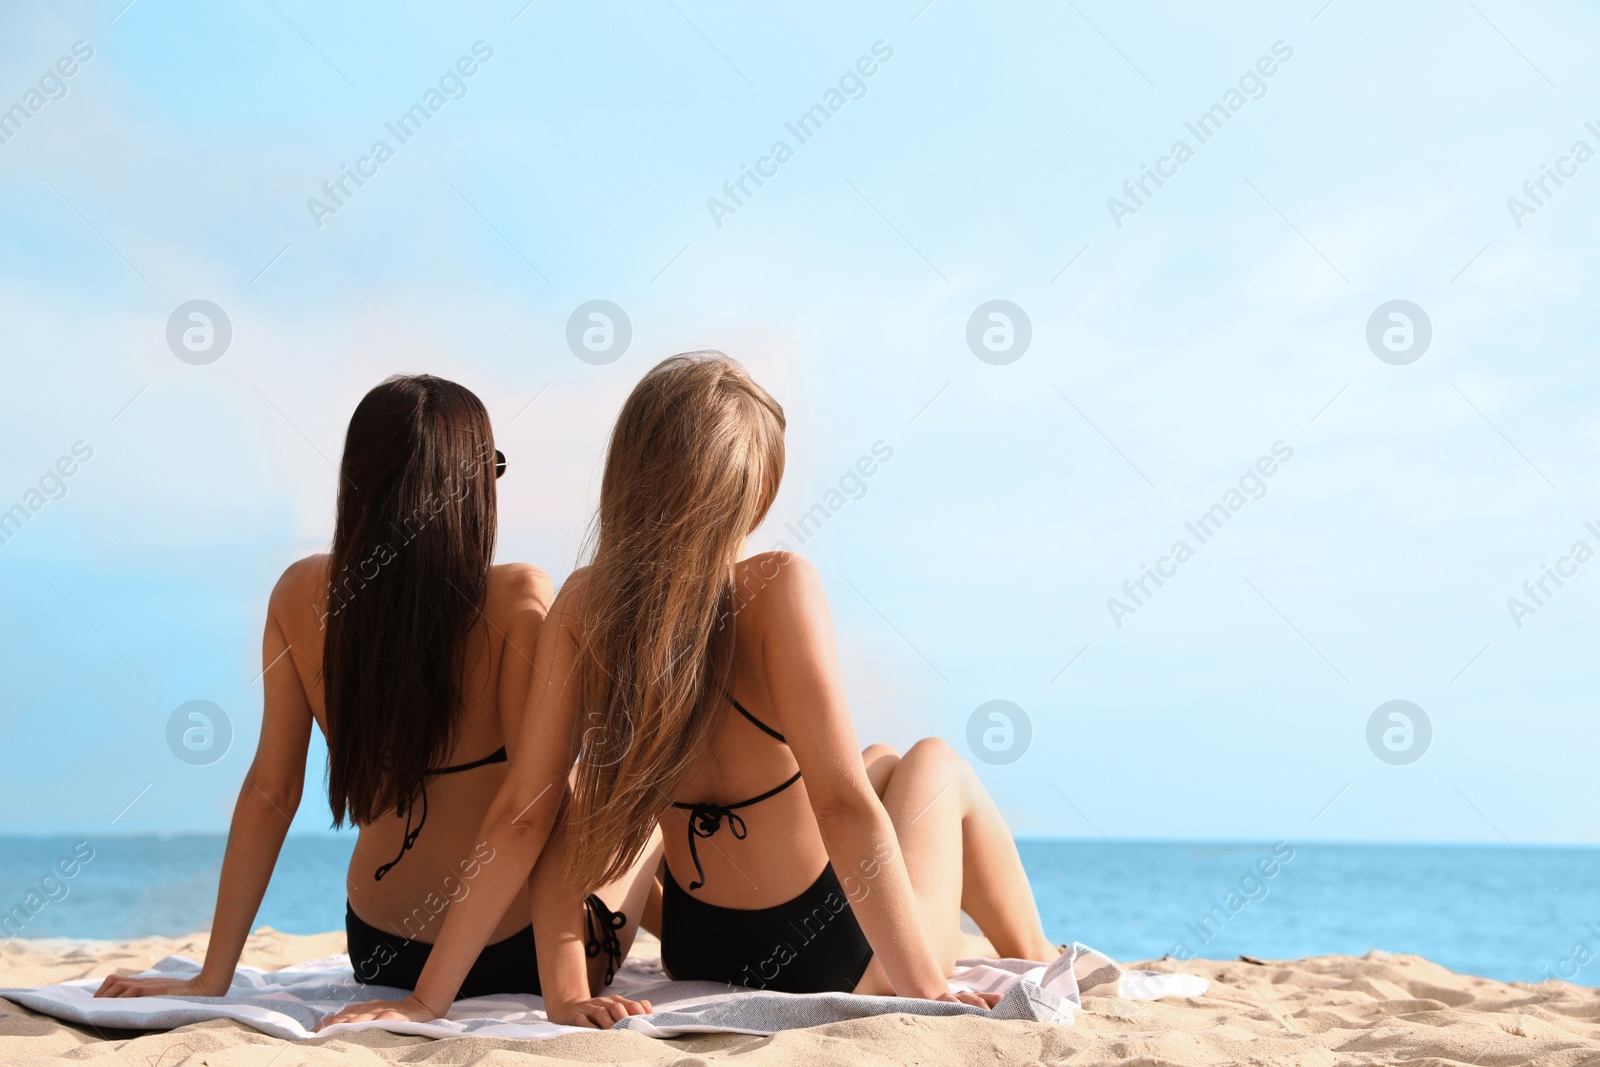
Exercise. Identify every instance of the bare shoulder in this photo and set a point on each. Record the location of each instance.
(517, 587)
(301, 591)
(777, 585)
(780, 571)
(569, 602)
(516, 600)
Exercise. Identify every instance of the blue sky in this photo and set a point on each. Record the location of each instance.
(1169, 353)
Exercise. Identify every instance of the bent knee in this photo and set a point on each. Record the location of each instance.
(880, 762)
(934, 749)
(936, 754)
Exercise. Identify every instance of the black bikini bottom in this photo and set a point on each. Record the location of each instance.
(811, 944)
(510, 965)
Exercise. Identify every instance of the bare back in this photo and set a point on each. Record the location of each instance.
(415, 892)
(782, 851)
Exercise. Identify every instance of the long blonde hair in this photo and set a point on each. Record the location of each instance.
(694, 462)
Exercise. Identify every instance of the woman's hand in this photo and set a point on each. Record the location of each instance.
(597, 1012)
(977, 1000)
(408, 1010)
(126, 985)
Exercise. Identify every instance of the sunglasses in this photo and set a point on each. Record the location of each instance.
(499, 463)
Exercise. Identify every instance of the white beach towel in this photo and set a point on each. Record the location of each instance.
(289, 1004)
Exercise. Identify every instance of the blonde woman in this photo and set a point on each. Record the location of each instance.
(698, 690)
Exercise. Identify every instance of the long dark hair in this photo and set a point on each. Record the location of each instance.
(694, 462)
(412, 545)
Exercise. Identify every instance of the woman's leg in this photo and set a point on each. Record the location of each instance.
(880, 761)
(961, 856)
(650, 917)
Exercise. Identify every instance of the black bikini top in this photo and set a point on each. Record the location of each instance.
(706, 819)
(497, 756)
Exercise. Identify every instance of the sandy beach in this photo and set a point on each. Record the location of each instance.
(1381, 1009)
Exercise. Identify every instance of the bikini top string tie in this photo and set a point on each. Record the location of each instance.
(603, 934)
(411, 835)
(706, 819)
(409, 839)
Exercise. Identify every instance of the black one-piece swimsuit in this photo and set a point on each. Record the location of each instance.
(811, 944)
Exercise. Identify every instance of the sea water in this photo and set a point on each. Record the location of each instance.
(1513, 913)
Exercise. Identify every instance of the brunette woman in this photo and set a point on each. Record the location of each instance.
(413, 654)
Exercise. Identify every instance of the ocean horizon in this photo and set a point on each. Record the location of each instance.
(1514, 913)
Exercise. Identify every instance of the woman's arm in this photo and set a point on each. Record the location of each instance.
(802, 669)
(558, 927)
(560, 931)
(516, 617)
(267, 802)
(516, 828)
